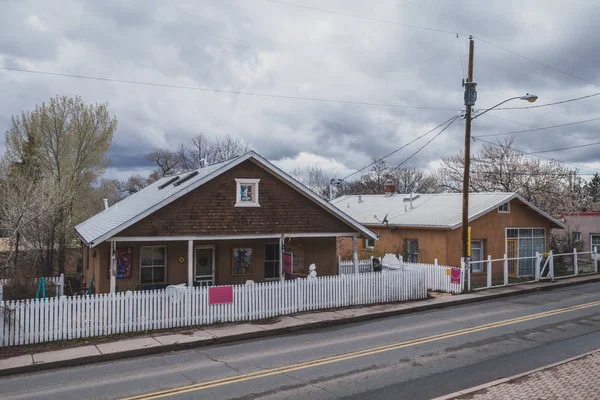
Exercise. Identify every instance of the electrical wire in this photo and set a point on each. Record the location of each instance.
(539, 128)
(530, 173)
(548, 104)
(536, 61)
(436, 30)
(399, 148)
(367, 18)
(535, 155)
(565, 148)
(533, 126)
(425, 145)
(238, 92)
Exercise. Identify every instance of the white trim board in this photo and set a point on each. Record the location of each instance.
(228, 237)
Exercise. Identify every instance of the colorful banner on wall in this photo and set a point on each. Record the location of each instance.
(123, 255)
(288, 263)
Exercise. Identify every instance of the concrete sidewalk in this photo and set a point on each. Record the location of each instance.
(165, 342)
(574, 378)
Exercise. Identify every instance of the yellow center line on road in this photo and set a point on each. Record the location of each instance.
(352, 355)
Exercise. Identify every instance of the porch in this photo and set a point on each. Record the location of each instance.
(156, 262)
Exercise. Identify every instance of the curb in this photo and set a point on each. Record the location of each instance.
(279, 331)
(497, 382)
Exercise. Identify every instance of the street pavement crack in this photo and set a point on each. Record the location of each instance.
(220, 361)
(309, 383)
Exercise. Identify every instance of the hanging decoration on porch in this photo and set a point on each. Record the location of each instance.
(181, 260)
(123, 256)
(242, 261)
(288, 263)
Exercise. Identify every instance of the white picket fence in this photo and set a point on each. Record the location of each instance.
(347, 267)
(57, 281)
(437, 277)
(34, 321)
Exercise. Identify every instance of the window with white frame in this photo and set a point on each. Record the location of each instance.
(272, 261)
(576, 236)
(529, 241)
(411, 253)
(153, 264)
(595, 240)
(369, 243)
(247, 193)
(504, 208)
(477, 254)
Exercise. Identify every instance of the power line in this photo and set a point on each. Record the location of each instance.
(533, 126)
(425, 145)
(367, 18)
(529, 173)
(565, 148)
(549, 104)
(536, 61)
(539, 129)
(535, 155)
(435, 30)
(238, 92)
(398, 149)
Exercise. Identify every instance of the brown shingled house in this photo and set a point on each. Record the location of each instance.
(226, 223)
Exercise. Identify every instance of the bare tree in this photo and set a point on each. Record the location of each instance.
(314, 178)
(67, 141)
(167, 161)
(132, 185)
(549, 185)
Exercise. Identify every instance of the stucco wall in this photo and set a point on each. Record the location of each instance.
(586, 223)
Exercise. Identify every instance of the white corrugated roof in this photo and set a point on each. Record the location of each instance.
(141, 204)
(442, 210)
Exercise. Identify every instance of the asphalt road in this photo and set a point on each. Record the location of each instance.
(416, 356)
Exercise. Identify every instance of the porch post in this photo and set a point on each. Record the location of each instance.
(113, 267)
(281, 277)
(354, 255)
(190, 263)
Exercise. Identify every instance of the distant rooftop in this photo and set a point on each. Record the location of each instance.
(442, 210)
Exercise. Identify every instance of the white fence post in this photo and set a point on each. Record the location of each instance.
(551, 265)
(489, 271)
(595, 259)
(538, 264)
(61, 285)
(505, 270)
(575, 266)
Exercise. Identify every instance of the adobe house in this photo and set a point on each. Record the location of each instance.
(423, 227)
(584, 226)
(227, 223)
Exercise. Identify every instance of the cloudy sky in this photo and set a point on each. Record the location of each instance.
(264, 47)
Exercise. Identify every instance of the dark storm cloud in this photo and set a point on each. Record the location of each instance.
(256, 46)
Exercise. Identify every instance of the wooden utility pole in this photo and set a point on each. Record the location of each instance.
(469, 101)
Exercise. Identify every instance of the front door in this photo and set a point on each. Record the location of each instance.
(511, 252)
(205, 266)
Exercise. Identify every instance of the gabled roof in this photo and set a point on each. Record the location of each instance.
(139, 205)
(442, 210)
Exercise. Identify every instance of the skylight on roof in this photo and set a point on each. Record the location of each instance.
(186, 178)
(167, 183)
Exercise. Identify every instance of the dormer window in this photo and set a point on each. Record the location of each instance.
(247, 193)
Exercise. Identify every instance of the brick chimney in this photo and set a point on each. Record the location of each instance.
(390, 188)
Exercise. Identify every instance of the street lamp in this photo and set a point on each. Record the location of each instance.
(470, 97)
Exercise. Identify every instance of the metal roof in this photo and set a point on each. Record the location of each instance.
(132, 209)
(441, 210)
